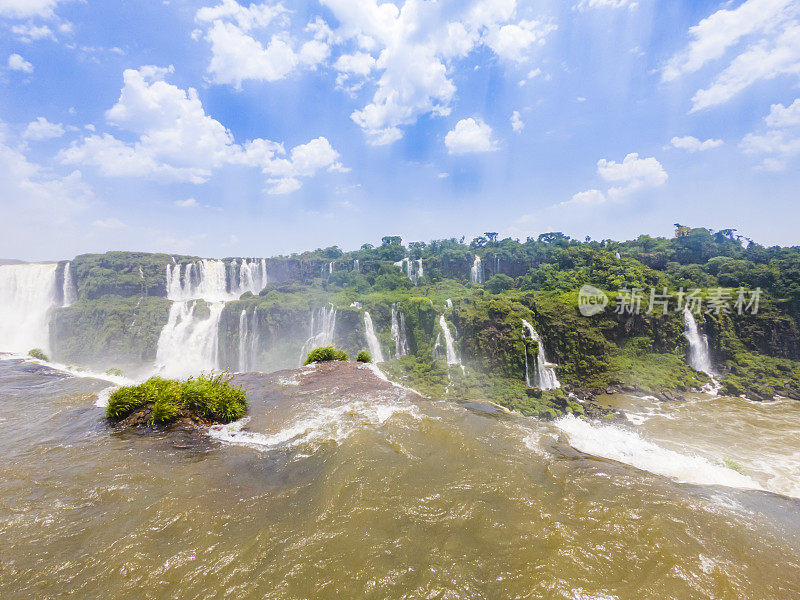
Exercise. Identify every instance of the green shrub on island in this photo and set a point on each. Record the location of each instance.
(211, 398)
(364, 357)
(325, 354)
(114, 371)
(39, 354)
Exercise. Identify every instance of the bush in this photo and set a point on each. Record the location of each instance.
(364, 357)
(211, 397)
(497, 284)
(325, 354)
(114, 371)
(38, 353)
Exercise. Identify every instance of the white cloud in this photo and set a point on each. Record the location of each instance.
(188, 203)
(778, 144)
(17, 63)
(516, 122)
(31, 33)
(772, 48)
(242, 50)
(178, 141)
(584, 4)
(470, 135)
(42, 129)
(405, 52)
(21, 9)
(633, 174)
(692, 144)
(784, 116)
(109, 223)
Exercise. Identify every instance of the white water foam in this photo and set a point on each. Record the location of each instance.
(615, 443)
(324, 424)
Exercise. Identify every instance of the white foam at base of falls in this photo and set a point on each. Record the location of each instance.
(621, 445)
(545, 376)
(372, 340)
(27, 293)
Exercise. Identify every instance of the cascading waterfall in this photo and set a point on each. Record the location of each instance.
(68, 291)
(372, 339)
(411, 268)
(189, 342)
(545, 376)
(476, 272)
(27, 293)
(399, 333)
(356, 266)
(449, 344)
(330, 268)
(243, 339)
(321, 330)
(699, 354)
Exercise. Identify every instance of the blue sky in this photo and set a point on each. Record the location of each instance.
(223, 129)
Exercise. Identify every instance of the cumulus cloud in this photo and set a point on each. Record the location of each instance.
(692, 144)
(22, 9)
(31, 33)
(178, 141)
(469, 136)
(779, 142)
(766, 34)
(17, 63)
(42, 129)
(188, 203)
(516, 122)
(631, 175)
(403, 51)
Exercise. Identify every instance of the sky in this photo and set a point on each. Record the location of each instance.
(217, 128)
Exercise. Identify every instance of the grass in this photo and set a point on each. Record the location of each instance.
(39, 354)
(210, 397)
(325, 354)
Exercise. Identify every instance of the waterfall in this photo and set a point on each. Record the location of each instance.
(545, 377)
(356, 266)
(321, 330)
(699, 355)
(372, 339)
(399, 333)
(243, 356)
(420, 270)
(450, 348)
(411, 269)
(209, 279)
(476, 272)
(330, 268)
(189, 343)
(68, 290)
(449, 303)
(27, 293)
(252, 277)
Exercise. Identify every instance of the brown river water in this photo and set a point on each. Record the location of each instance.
(340, 485)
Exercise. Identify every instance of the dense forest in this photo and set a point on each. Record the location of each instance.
(484, 289)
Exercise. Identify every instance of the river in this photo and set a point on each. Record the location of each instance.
(344, 486)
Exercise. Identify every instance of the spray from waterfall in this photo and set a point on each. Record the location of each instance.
(699, 354)
(372, 340)
(68, 291)
(321, 330)
(27, 293)
(476, 272)
(545, 374)
(399, 333)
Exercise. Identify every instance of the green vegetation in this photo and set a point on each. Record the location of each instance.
(121, 310)
(114, 371)
(38, 353)
(364, 357)
(211, 398)
(732, 464)
(325, 354)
